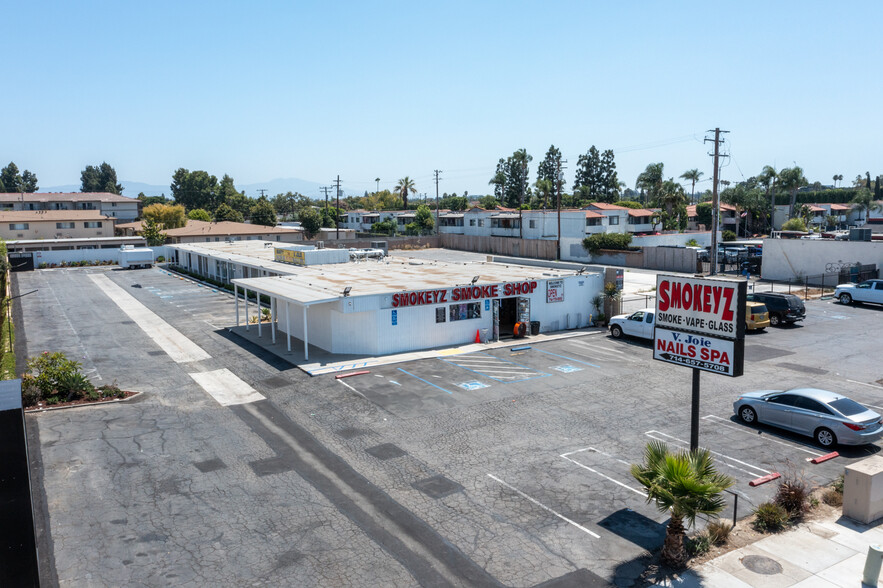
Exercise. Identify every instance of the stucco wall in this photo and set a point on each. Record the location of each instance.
(787, 259)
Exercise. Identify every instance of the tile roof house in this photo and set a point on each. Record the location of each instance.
(112, 205)
(201, 231)
(54, 224)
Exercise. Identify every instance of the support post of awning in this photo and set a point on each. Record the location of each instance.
(260, 315)
(236, 298)
(306, 343)
(245, 293)
(273, 319)
(288, 324)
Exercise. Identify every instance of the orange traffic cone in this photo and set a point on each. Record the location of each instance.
(478, 335)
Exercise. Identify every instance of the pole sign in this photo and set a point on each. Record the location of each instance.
(710, 354)
(700, 323)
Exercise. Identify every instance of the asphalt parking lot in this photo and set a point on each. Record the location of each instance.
(501, 467)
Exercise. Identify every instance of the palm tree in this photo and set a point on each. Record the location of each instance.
(650, 180)
(378, 184)
(792, 179)
(767, 179)
(403, 188)
(672, 198)
(864, 203)
(499, 183)
(686, 484)
(544, 187)
(692, 175)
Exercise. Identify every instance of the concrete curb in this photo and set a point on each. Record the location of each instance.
(84, 405)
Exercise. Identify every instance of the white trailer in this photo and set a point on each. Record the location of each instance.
(136, 257)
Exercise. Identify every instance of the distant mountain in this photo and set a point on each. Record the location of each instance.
(273, 187)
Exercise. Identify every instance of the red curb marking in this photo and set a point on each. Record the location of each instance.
(339, 376)
(826, 457)
(765, 479)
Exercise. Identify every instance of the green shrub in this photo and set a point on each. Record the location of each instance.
(698, 545)
(30, 393)
(718, 531)
(52, 400)
(56, 375)
(93, 395)
(770, 517)
(160, 259)
(837, 485)
(728, 236)
(598, 241)
(111, 391)
(793, 496)
(794, 224)
(692, 243)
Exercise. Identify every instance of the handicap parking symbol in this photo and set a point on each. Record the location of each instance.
(566, 368)
(474, 385)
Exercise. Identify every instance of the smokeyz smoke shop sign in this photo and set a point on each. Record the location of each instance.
(700, 323)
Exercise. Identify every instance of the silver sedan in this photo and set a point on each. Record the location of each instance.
(828, 417)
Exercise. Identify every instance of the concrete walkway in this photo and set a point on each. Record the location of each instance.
(824, 553)
(323, 362)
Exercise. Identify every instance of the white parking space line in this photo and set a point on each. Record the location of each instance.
(543, 506)
(226, 387)
(726, 423)
(353, 389)
(865, 384)
(612, 353)
(594, 471)
(175, 344)
(658, 435)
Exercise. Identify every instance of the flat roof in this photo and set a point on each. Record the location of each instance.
(324, 283)
(52, 215)
(64, 197)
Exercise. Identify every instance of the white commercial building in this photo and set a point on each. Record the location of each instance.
(393, 304)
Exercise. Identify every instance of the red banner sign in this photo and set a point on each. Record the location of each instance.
(462, 293)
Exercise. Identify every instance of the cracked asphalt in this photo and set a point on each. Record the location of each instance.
(511, 470)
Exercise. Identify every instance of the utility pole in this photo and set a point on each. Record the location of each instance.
(337, 215)
(715, 200)
(437, 172)
(262, 190)
(325, 190)
(559, 176)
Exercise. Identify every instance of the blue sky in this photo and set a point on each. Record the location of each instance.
(264, 90)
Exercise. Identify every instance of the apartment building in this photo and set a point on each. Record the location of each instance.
(113, 205)
(54, 224)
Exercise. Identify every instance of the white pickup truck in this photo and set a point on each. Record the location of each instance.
(136, 257)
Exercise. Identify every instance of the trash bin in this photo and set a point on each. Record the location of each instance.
(534, 327)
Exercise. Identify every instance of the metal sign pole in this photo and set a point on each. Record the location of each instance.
(694, 413)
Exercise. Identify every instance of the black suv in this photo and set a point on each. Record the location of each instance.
(784, 308)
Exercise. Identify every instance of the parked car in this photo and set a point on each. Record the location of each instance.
(867, 291)
(783, 308)
(828, 417)
(757, 317)
(637, 324)
(736, 254)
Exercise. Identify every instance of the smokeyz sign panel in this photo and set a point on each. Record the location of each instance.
(712, 306)
(710, 354)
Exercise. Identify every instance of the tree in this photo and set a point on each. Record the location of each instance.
(544, 189)
(152, 233)
(672, 198)
(794, 224)
(747, 199)
(549, 170)
(767, 179)
(424, 219)
(225, 213)
(310, 221)
(165, 216)
(703, 214)
(404, 187)
(511, 178)
(453, 202)
(100, 178)
(650, 181)
(692, 176)
(864, 203)
(196, 189)
(263, 213)
(284, 204)
(683, 485)
(12, 181)
(792, 179)
(199, 214)
(487, 202)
